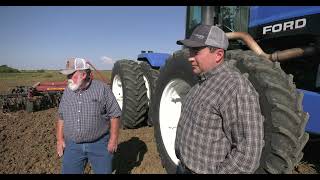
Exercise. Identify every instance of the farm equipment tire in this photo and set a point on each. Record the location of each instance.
(29, 106)
(280, 103)
(174, 82)
(150, 76)
(129, 89)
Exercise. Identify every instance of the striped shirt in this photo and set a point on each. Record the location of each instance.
(87, 113)
(221, 126)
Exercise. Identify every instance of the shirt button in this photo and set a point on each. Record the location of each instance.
(78, 120)
(79, 102)
(80, 94)
(79, 111)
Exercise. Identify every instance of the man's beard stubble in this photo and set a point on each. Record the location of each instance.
(73, 86)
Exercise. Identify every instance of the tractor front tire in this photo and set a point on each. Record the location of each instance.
(129, 89)
(150, 76)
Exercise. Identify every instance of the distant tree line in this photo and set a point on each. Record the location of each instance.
(7, 69)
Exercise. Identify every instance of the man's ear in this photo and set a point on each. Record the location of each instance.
(84, 75)
(219, 55)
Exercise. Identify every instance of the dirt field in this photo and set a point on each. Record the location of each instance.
(28, 144)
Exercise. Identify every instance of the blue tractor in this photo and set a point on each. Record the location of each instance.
(276, 48)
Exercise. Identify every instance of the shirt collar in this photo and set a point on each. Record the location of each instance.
(207, 75)
(85, 88)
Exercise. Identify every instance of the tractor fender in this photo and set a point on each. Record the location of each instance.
(156, 60)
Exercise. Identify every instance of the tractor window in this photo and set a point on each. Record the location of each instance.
(234, 18)
(193, 19)
(229, 14)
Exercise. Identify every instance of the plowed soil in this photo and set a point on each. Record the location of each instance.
(28, 145)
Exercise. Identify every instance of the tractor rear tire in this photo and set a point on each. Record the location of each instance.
(151, 76)
(280, 103)
(174, 81)
(131, 93)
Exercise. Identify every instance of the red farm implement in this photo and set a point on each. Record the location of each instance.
(42, 95)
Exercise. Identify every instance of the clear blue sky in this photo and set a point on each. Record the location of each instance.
(43, 37)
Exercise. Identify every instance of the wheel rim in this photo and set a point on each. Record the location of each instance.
(169, 113)
(146, 82)
(117, 90)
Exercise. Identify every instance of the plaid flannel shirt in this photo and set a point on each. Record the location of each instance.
(87, 113)
(221, 126)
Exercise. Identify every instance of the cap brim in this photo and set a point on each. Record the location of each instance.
(67, 71)
(190, 43)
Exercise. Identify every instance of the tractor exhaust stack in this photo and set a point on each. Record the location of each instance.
(276, 56)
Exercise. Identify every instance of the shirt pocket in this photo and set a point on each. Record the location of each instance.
(93, 108)
(69, 108)
(209, 122)
(206, 114)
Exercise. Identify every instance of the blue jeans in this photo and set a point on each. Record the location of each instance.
(76, 156)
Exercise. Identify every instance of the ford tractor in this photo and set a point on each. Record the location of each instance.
(276, 48)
